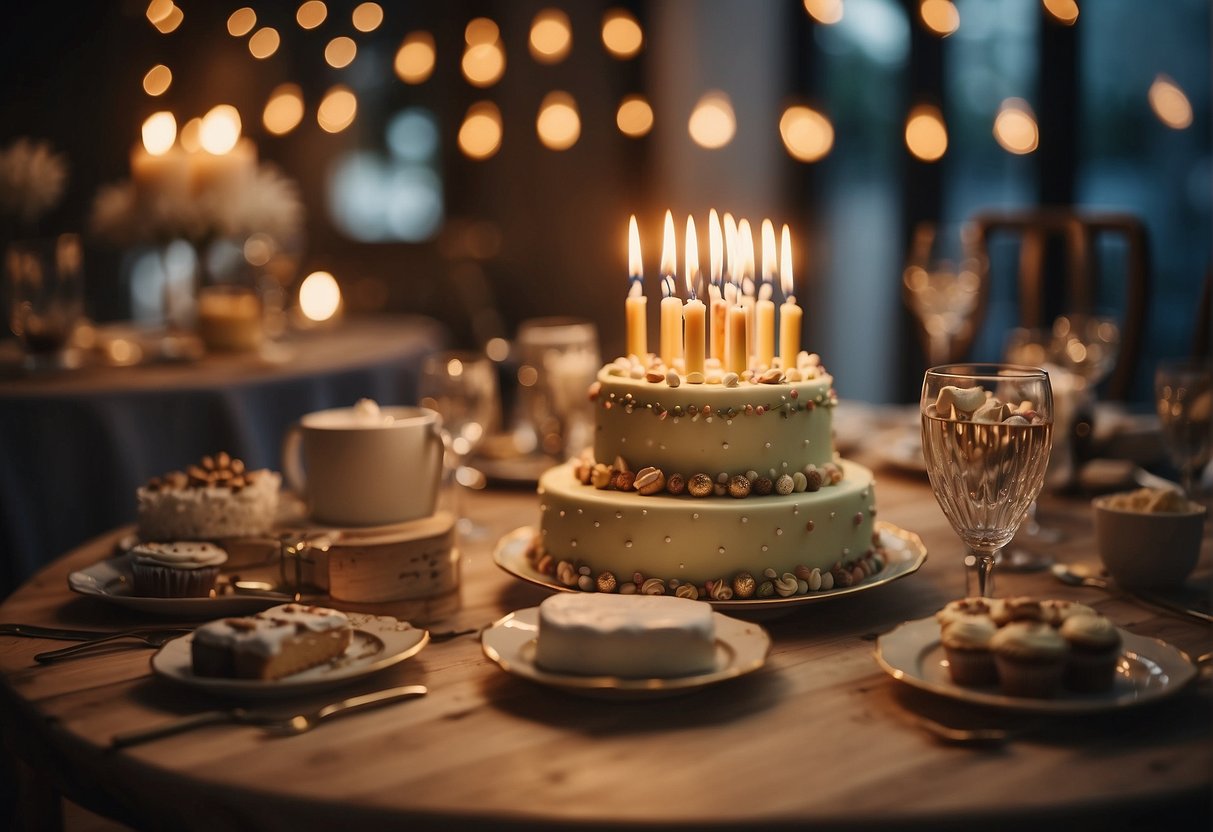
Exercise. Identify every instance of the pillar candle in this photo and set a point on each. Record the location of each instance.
(637, 342)
(764, 338)
(719, 315)
(694, 314)
(738, 340)
(789, 332)
(671, 330)
(747, 307)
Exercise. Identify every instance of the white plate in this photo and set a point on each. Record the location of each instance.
(905, 550)
(741, 647)
(1148, 669)
(900, 448)
(379, 641)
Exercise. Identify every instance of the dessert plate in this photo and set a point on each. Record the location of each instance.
(110, 580)
(900, 448)
(741, 647)
(379, 641)
(1148, 669)
(906, 555)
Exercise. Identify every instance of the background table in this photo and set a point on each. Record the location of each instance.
(819, 737)
(74, 446)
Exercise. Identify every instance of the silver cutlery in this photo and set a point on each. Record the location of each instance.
(274, 724)
(67, 634)
(964, 736)
(1068, 575)
(149, 638)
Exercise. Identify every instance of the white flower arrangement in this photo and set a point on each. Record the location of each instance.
(32, 180)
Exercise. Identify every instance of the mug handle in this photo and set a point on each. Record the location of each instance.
(292, 459)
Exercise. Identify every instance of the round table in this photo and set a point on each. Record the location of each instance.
(74, 446)
(819, 737)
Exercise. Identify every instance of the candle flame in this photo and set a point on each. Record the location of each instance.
(768, 251)
(159, 132)
(745, 252)
(730, 246)
(692, 258)
(715, 248)
(635, 267)
(669, 257)
(220, 129)
(785, 265)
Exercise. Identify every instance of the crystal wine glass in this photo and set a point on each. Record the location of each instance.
(986, 435)
(941, 285)
(1183, 391)
(462, 386)
(46, 284)
(1087, 346)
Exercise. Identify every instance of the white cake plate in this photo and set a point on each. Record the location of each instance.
(905, 555)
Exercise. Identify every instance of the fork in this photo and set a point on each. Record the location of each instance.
(150, 638)
(280, 726)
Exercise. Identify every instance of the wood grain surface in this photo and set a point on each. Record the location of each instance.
(818, 737)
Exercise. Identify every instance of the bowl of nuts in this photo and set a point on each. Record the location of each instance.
(1149, 537)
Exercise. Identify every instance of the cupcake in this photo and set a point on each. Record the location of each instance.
(1030, 657)
(966, 642)
(1056, 612)
(964, 607)
(187, 569)
(1094, 652)
(1022, 608)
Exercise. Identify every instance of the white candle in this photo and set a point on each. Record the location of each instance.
(671, 306)
(217, 172)
(789, 312)
(764, 314)
(636, 301)
(693, 313)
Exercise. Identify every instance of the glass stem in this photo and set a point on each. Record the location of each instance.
(979, 578)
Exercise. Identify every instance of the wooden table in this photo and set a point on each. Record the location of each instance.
(820, 736)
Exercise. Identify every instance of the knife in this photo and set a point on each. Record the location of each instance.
(66, 634)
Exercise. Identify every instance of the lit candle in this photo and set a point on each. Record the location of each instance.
(158, 165)
(737, 338)
(718, 307)
(789, 312)
(764, 313)
(671, 306)
(745, 258)
(226, 160)
(694, 312)
(637, 342)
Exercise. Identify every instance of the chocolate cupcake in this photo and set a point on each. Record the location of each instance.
(186, 569)
(966, 642)
(1030, 657)
(1094, 652)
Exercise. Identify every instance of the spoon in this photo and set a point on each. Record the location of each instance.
(1073, 577)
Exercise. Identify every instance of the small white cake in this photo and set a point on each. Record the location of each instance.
(632, 636)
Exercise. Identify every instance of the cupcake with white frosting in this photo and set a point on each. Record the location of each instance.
(1094, 652)
(966, 642)
(1030, 657)
(185, 569)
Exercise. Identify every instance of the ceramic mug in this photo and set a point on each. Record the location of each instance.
(360, 471)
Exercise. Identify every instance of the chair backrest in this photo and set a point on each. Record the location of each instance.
(1080, 233)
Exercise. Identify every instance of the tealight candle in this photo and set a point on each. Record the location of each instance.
(789, 312)
(636, 302)
(694, 312)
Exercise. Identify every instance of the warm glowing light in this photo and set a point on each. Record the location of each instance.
(264, 43)
(715, 247)
(621, 33)
(337, 109)
(483, 64)
(635, 116)
(940, 16)
(1170, 104)
(157, 80)
(824, 11)
(1063, 11)
(170, 21)
(415, 58)
(635, 266)
(367, 17)
(311, 14)
(241, 22)
(926, 134)
(1015, 127)
(284, 110)
(481, 30)
(340, 52)
(669, 257)
(159, 132)
(319, 296)
(745, 249)
(807, 134)
(691, 263)
(551, 36)
(768, 251)
(220, 129)
(191, 135)
(480, 133)
(158, 10)
(712, 123)
(559, 124)
(785, 264)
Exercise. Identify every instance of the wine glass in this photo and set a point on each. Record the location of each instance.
(558, 361)
(1087, 346)
(46, 279)
(462, 386)
(986, 435)
(941, 282)
(1183, 391)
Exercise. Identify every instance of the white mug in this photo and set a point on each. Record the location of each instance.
(362, 472)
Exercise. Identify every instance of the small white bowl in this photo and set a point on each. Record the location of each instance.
(1148, 549)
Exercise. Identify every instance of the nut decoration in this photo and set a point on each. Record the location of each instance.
(218, 471)
(654, 377)
(771, 376)
(739, 487)
(700, 485)
(784, 485)
(786, 585)
(730, 380)
(813, 478)
(763, 486)
(566, 573)
(623, 480)
(653, 586)
(687, 591)
(675, 484)
(842, 577)
(649, 481)
(744, 585)
(672, 379)
(606, 582)
(600, 477)
(720, 590)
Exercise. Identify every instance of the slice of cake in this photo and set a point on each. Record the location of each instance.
(278, 642)
(215, 499)
(641, 636)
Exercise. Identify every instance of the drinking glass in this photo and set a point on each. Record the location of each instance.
(1183, 391)
(462, 386)
(46, 280)
(558, 360)
(941, 282)
(1087, 346)
(986, 473)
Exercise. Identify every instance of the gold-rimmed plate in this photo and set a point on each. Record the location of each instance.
(1148, 669)
(905, 555)
(741, 647)
(379, 642)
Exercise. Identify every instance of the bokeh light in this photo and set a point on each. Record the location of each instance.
(926, 133)
(483, 63)
(340, 52)
(1063, 11)
(558, 124)
(241, 22)
(337, 109)
(634, 117)
(621, 33)
(480, 133)
(220, 129)
(481, 30)
(170, 21)
(415, 59)
(1170, 104)
(284, 110)
(264, 43)
(159, 132)
(712, 123)
(807, 134)
(551, 36)
(824, 11)
(1015, 127)
(367, 17)
(311, 14)
(940, 16)
(157, 80)
(191, 135)
(319, 296)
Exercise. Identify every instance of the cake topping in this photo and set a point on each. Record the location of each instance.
(181, 555)
(1028, 640)
(218, 471)
(1093, 632)
(968, 632)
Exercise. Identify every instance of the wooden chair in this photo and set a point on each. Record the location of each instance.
(1080, 233)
